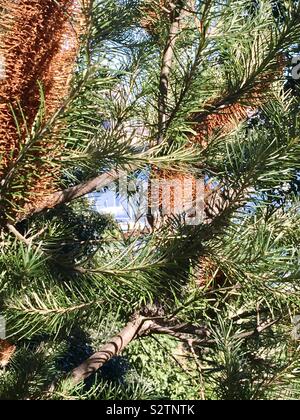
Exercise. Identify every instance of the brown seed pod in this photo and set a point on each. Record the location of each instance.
(38, 46)
(7, 350)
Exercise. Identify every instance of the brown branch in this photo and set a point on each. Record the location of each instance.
(72, 193)
(133, 329)
(139, 327)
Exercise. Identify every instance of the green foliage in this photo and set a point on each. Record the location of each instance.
(176, 379)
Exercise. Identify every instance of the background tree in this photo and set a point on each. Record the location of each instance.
(182, 89)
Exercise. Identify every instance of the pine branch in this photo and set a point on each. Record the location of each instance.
(192, 72)
(140, 327)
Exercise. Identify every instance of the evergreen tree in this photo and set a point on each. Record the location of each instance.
(163, 90)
